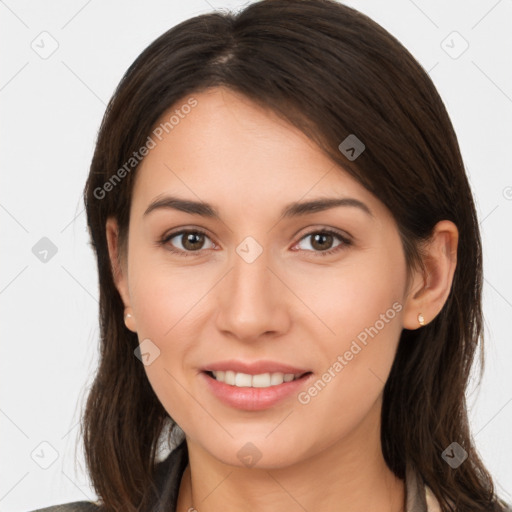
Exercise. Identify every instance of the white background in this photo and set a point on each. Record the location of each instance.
(51, 110)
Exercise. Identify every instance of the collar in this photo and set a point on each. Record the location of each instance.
(419, 498)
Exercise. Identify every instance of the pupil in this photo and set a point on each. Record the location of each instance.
(321, 240)
(191, 239)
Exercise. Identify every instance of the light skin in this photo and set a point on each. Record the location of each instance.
(290, 305)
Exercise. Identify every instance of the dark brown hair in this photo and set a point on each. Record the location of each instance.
(330, 71)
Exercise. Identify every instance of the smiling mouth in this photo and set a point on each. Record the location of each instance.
(262, 380)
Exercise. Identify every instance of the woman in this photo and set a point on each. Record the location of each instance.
(290, 275)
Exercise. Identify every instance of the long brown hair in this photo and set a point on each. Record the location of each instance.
(330, 71)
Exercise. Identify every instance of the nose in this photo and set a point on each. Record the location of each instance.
(252, 300)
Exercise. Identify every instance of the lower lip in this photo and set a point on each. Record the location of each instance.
(253, 399)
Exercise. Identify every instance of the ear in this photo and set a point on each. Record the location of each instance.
(119, 270)
(431, 286)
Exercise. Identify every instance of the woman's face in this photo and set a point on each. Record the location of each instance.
(316, 290)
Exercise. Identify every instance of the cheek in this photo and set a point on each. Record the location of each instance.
(357, 296)
(166, 303)
(166, 300)
(360, 311)
(354, 363)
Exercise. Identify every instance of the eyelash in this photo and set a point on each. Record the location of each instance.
(346, 242)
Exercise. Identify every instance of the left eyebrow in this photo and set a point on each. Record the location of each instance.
(291, 210)
(319, 205)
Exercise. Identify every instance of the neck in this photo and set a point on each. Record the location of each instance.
(350, 475)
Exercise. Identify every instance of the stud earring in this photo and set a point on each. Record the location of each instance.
(421, 319)
(128, 315)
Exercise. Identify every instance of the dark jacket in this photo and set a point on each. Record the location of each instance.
(169, 471)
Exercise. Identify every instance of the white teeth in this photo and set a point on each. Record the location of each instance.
(244, 380)
(229, 377)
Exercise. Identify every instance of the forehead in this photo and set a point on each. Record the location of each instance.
(231, 152)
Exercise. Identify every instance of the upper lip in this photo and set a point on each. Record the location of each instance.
(254, 368)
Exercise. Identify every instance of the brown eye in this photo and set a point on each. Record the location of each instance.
(322, 242)
(187, 241)
(192, 241)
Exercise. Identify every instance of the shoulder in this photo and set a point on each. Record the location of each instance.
(167, 479)
(75, 506)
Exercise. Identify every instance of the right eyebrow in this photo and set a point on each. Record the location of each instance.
(183, 205)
